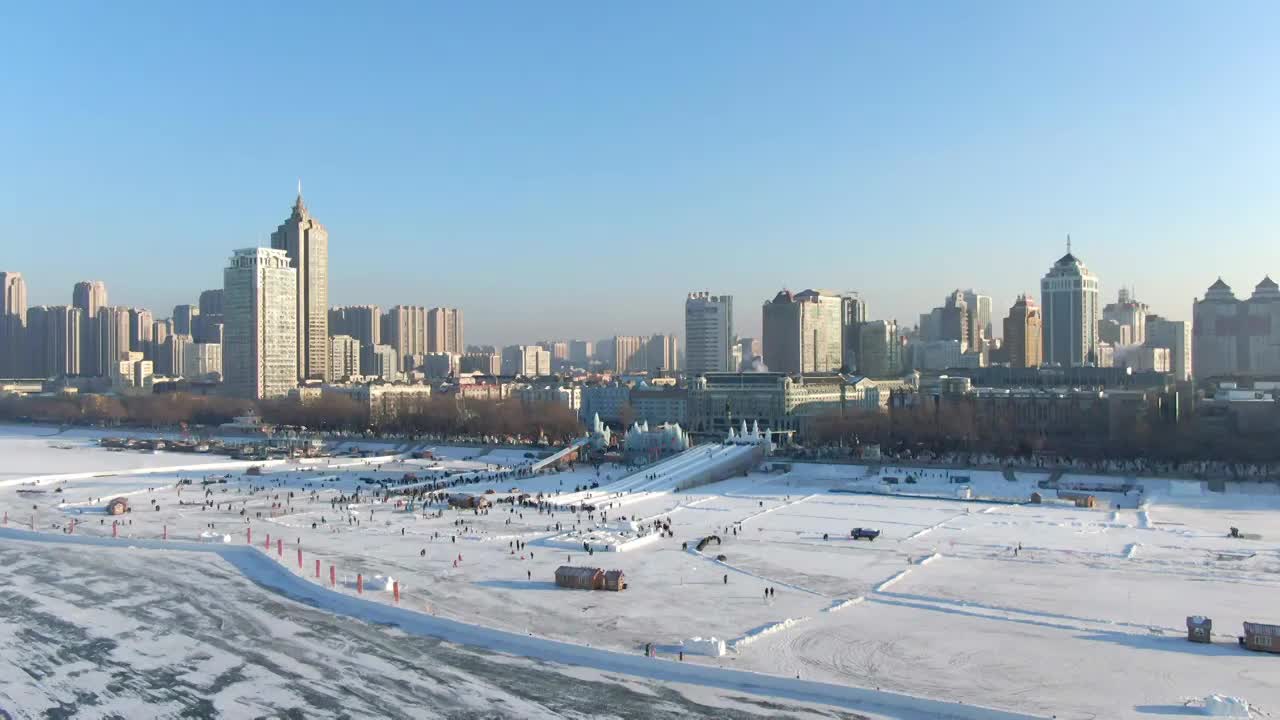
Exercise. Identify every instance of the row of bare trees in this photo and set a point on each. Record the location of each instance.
(1090, 434)
(440, 416)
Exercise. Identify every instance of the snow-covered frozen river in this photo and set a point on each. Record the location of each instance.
(134, 633)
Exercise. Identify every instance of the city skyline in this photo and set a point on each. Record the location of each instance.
(754, 328)
(866, 138)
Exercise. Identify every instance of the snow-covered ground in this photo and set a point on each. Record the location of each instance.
(1036, 609)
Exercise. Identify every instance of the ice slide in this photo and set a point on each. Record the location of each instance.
(268, 573)
(695, 466)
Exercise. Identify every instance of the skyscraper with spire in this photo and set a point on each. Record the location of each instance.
(307, 244)
(1070, 312)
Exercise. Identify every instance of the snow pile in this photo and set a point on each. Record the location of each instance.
(1131, 549)
(209, 536)
(699, 646)
(1226, 706)
(891, 581)
(764, 630)
(379, 583)
(929, 559)
(839, 605)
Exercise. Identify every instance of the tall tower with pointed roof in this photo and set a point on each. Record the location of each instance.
(1070, 312)
(307, 244)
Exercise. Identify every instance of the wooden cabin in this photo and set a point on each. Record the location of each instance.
(1262, 637)
(615, 580)
(580, 578)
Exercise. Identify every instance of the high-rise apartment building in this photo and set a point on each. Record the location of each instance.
(979, 320)
(662, 353)
(53, 340)
(853, 313)
(628, 353)
(1070, 312)
(489, 363)
(803, 333)
(184, 317)
(1023, 329)
(708, 333)
(113, 338)
(404, 327)
(362, 322)
(526, 360)
(384, 363)
(140, 331)
(344, 356)
(444, 330)
(260, 337)
(1174, 335)
(1130, 316)
(307, 244)
(14, 350)
(206, 327)
(89, 296)
(203, 361)
(879, 349)
(559, 350)
(581, 352)
(171, 356)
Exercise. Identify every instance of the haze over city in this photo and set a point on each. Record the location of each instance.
(536, 168)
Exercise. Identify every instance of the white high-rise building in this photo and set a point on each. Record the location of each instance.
(307, 244)
(526, 360)
(203, 361)
(1127, 312)
(89, 296)
(260, 336)
(344, 357)
(804, 332)
(444, 330)
(14, 350)
(1070, 312)
(708, 333)
(53, 340)
(112, 338)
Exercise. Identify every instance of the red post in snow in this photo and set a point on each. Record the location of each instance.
(360, 583)
(267, 545)
(166, 533)
(33, 521)
(395, 589)
(114, 529)
(71, 527)
(299, 558)
(6, 517)
(279, 547)
(248, 536)
(317, 567)
(333, 576)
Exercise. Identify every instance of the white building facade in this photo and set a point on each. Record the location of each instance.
(260, 336)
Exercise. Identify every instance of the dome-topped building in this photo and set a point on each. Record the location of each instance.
(1237, 338)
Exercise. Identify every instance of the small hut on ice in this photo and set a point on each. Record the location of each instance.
(580, 578)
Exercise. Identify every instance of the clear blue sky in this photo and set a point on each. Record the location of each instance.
(573, 169)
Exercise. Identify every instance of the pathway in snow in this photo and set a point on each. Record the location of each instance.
(270, 574)
(931, 528)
